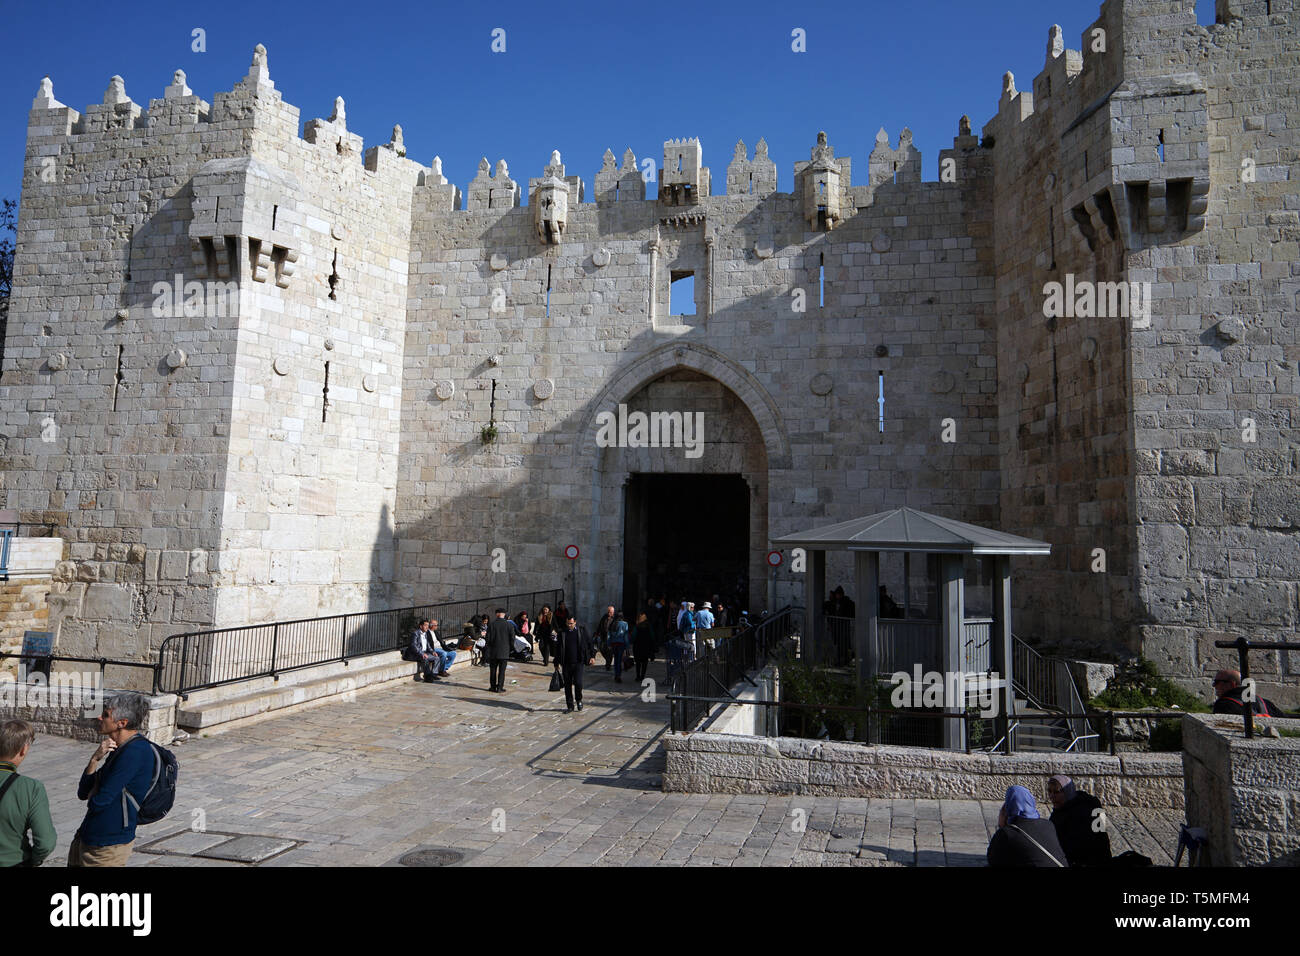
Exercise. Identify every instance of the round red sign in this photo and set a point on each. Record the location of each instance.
(571, 551)
(774, 558)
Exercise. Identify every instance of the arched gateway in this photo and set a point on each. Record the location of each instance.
(680, 445)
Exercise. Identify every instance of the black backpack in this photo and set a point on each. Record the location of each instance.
(160, 796)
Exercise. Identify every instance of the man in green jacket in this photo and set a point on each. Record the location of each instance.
(23, 804)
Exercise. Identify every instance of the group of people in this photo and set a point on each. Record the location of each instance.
(625, 645)
(1074, 835)
(113, 785)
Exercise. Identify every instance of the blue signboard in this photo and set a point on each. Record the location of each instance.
(36, 642)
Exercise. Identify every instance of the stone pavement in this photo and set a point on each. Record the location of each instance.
(511, 779)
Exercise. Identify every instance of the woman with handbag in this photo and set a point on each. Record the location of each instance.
(544, 631)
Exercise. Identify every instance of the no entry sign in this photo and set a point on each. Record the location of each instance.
(571, 551)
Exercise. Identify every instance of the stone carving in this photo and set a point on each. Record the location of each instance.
(57, 362)
(880, 242)
(821, 384)
(177, 358)
(498, 261)
(368, 383)
(600, 257)
(281, 365)
(444, 390)
(543, 389)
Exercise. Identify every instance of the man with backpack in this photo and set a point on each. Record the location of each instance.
(686, 624)
(114, 792)
(23, 804)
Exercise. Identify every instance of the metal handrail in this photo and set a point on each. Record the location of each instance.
(262, 650)
(103, 662)
(1243, 648)
(724, 666)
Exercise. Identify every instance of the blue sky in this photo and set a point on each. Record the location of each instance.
(578, 77)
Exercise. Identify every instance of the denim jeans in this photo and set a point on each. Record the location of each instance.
(618, 650)
(444, 659)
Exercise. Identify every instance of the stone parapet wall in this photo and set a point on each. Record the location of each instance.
(722, 763)
(69, 711)
(1244, 793)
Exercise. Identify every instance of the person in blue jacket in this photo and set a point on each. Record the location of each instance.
(114, 792)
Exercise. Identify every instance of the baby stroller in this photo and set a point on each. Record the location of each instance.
(523, 649)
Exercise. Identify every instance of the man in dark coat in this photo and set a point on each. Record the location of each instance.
(602, 635)
(1024, 838)
(573, 654)
(500, 642)
(1080, 823)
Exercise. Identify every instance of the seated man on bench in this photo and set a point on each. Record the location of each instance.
(421, 650)
(445, 651)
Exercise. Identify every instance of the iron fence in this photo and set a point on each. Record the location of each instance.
(1243, 648)
(102, 663)
(721, 667)
(201, 659)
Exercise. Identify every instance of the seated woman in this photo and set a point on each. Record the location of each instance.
(1024, 838)
(1080, 823)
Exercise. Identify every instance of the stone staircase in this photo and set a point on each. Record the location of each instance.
(218, 709)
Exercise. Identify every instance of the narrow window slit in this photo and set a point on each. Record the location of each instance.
(881, 402)
(325, 394)
(548, 290)
(821, 280)
(334, 276)
(119, 377)
(275, 214)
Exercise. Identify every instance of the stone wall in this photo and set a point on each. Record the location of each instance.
(70, 712)
(313, 444)
(1243, 793)
(722, 763)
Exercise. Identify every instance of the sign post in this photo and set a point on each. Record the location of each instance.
(774, 559)
(571, 552)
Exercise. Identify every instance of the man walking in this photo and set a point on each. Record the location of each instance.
(500, 642)
(686, 624)
(23, 803)
(602, 635)
(573, 653)
(114, 792)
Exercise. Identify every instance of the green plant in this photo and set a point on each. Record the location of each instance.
(488, 434)
(1139, 685)
(818, 688)
(1167, 736)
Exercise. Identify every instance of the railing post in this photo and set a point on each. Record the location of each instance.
(275, 645)
(1110, 730)
(185, 653)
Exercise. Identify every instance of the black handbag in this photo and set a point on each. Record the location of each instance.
(557, 681)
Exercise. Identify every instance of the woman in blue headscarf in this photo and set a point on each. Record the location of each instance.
(1023, 837)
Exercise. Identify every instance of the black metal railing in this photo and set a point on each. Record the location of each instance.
(1243, 648)
(922, 728)
(198, 660)
(874, 725)
(720, 668)
(102, 663)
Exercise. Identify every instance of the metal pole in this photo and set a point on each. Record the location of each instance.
(1248, 706)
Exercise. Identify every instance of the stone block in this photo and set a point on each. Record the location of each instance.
(109, 602)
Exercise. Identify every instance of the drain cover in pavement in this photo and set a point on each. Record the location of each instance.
(432, 856)
(248, 849)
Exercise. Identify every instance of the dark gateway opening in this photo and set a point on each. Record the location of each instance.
(686, 536)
